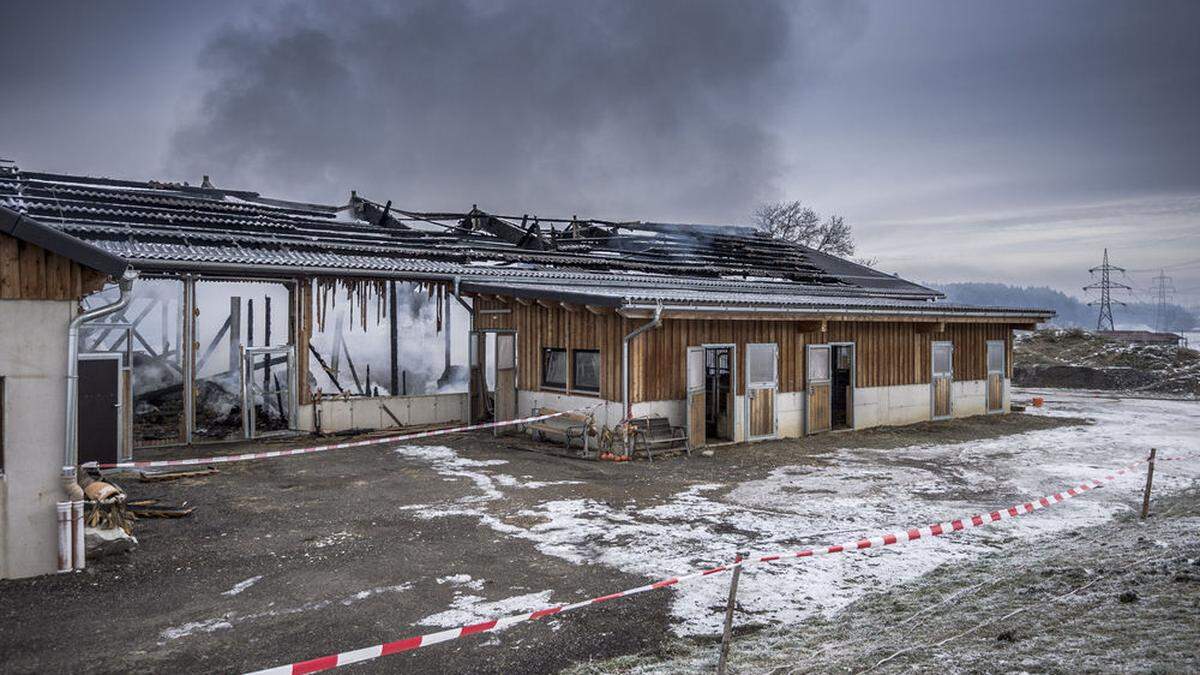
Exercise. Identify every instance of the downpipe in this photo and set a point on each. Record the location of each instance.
(70, 512)
(627, 405)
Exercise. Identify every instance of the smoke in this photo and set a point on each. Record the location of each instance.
(642, 109)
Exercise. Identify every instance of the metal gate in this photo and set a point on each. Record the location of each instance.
(762, 385)
(268, 397)
(696, 417)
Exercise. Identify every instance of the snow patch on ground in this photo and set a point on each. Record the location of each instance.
(859, 492)
(230, 619)
(468, 609)
(451, 466)
(242, 585)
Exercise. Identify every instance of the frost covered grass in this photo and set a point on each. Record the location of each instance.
(852, 492)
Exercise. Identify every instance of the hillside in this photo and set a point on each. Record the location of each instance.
(1076, 359)
(1070, 312)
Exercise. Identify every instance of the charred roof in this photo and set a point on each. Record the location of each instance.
(160, 226)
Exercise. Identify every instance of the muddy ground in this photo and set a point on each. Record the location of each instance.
(296, 558)
(1119, 597)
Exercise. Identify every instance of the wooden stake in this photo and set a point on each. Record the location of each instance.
(1149, 482)
(727, 636)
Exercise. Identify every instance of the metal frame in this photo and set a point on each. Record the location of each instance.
(1003, 368)
(249, 422)
(774, 387)
(121, 361)
(733, 375)
(125, 445)
(473, 359)
(933, 381)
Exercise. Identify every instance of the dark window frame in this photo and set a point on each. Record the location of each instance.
(546, 352)
(599, 370)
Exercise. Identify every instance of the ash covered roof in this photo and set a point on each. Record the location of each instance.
(168, 226)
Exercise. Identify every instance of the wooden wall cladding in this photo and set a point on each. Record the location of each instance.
(887, 353)
(29, 272)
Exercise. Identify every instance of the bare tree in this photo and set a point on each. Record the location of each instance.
(799, 224)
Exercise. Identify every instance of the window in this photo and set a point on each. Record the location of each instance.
(942, 358)
(585, 370)
(554, 368)
(818, 364)
(995, 356)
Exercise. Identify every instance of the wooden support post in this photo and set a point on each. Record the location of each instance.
(727, 635)
(1149, 483)
(267, 342)
(446, 329)
(394, 324)
(250, 322)
(235, 333)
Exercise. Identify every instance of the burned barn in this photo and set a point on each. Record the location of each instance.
(254, 316)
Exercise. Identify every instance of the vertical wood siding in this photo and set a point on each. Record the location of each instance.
(29, 272)
(887, 353)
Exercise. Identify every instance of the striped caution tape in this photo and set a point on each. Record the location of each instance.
(224, 459)
(934, 530)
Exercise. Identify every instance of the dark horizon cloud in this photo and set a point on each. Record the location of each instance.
(606, 109)
(1001, 141)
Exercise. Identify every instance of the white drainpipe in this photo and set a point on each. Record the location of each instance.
(72, 538)
(626, 404)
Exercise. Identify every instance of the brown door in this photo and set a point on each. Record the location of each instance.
(477, 395)
(995, 375)
(943, 376)
(99, 411)
(506, 379)
(761, 385)
(819, 417)
(697, 433)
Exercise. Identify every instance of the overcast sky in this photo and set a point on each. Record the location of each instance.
(1005, 141)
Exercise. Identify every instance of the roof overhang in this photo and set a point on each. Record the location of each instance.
(31, 231)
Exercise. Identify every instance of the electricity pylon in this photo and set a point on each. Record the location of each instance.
(1162, 289)
(1105, 286)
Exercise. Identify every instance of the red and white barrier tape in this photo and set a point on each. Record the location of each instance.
(934, 530)
(222, 459)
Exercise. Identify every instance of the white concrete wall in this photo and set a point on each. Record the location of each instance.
(968, 397)
(891, 406)
(33, 357)
(338, 414)
(608, 413)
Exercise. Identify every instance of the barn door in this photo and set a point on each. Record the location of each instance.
(995, 375)
(818, 416)
(506, 380)
(943, 376)
(99, 410)
(762, 384)
(695, 398)
(478, 399)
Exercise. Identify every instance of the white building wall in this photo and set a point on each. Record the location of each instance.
(343, 414)
(891, 406)
(608, 413)
(33, 357)
(968, 397)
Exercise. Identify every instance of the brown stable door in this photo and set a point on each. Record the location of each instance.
(995, 374)
(506, 379)
(762, 383)
(696, 426)
(817, 373)
(943, 376)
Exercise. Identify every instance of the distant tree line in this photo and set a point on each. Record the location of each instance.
(1070, 312)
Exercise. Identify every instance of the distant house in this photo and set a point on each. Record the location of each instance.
(255, 316)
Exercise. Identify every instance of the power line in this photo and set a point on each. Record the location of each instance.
(1105, 286)
(1162, 289)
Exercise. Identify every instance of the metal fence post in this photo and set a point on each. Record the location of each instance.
(727, 635)
(1149, 482)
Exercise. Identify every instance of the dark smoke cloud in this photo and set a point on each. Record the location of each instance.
(645, 109)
